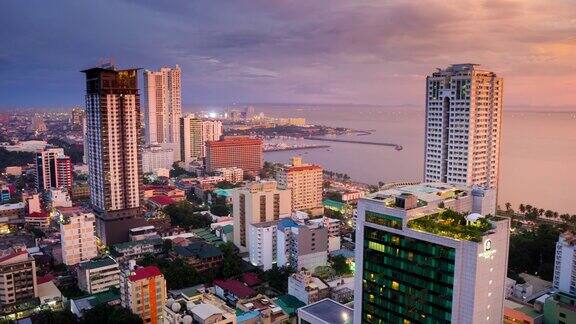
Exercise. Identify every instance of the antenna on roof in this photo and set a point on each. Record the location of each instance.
(106, 63)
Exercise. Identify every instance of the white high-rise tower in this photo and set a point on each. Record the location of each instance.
(463, 121)
(163, 108)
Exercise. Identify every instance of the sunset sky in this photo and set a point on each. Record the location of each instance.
(365, 52)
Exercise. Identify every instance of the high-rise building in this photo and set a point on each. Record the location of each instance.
(163, 107)
(565, 264)
(17, 277)
(113, 135)
(143, 291)
(77, 237)
(421, 257)
(305, 182)
(194, 134)
(235, 151)
(53, 169)
(463, 122)
(262, 248)
(257, 202)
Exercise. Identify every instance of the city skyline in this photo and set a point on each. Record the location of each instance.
(367, 53)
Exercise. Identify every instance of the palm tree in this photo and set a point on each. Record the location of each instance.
(540, 211)
(522, 208)
(529, 208)
(508, 206)
(549, 213)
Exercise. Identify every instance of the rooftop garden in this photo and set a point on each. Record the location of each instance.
(451, 224)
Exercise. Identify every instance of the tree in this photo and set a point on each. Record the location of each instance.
(533, 252)
(8, 158)
(186, 215)
(340, 265)
(219, 206)
(232, 263)
(178, 171)
(522, 208)
(52, 317)
(178, 273)
(508, 206)
(277, 278)
(226, 185)
(105, 313)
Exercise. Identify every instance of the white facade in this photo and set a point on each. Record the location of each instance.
(155, 157)
(59, 198)
(163, 107)
(301, 245)
(77, 238)
(262, 248)
(194, 135)
(479, 269)
(463, 123)
(565, 264)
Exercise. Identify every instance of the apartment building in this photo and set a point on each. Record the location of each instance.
(113, 138)
(565, 264)
(194, 134)
(464, 105)
(156, 157)
(233, 174)
(17, 277)
(262, 247)
(305, 182)
(143, 291)
(77, 237)
(302, 245)
(53, 169)
(257, 202)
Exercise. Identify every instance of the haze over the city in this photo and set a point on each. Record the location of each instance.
(361, 52)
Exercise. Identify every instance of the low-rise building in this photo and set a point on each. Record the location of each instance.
(80, 305)
(98, 275)
(59, 197)
(143, 291)
(12, 214)
(142, 233)
(135, 250)
(231, 290)
(38, 219)
(326, 311)
(232, 174)
(173, 192)
(267, 310)
(201, 308)
(560, 308)
(200, 255)
(307, 288)
(519, 313)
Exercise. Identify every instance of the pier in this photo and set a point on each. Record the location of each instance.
(296, 148)
(397, 147)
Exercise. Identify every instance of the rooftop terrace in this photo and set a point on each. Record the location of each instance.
(451, 224)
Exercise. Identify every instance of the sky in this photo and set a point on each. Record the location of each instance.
(268, 51)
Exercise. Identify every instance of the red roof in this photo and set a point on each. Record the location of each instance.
(44, 279)
(304, 168)
(38, 214)
(235, 287)
(251, 279)
(145, 272)
(12, 255)
(162, 200)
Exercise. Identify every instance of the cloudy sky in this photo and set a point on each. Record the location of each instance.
(267, 51)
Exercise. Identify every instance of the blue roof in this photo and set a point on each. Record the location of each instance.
(285, 223)
(223, 192)
(247, 316)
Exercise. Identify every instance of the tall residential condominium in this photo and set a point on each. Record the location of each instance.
(163, 106)
(143, 291)
(17, 278)
(257, 202)
(77, 237)
(235, 151)
(113, 135)
(53, 169)
(463, 122)
(565, 264)
(427, 253)
(194, 133)
(305, 182)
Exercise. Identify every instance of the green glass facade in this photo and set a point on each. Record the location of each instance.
(405, 280)
(384, 220)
